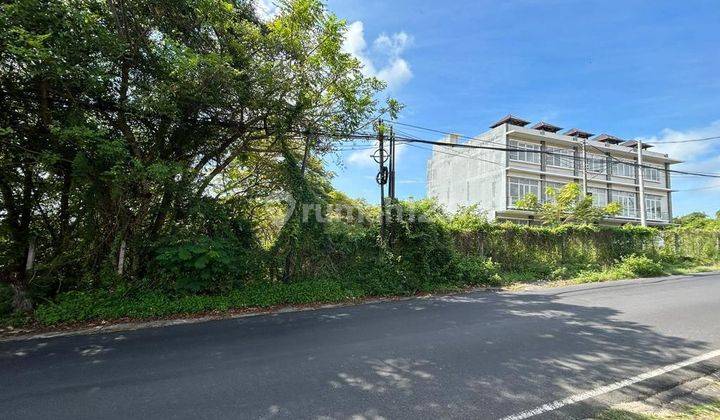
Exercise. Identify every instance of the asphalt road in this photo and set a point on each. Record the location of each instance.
(478, 355)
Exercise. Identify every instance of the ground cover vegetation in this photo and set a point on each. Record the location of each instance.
(165, 157)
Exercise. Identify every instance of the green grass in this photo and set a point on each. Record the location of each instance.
(74, 307)
(84, 306)
(702, 412)
(622, 271)
(623, 415)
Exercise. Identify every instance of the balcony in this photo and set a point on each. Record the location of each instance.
(627, 215)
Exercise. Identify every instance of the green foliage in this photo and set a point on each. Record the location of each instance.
(641, 266)
(80, 306)
(529, 202)
(117, 120)
(205, 264)
(698, 220)
(475, 271)
(567, 205)
(5, 300)
(430, 253)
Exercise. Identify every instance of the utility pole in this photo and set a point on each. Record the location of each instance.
(641, 181)
(391, 187)
(382, 176)
(584, 166)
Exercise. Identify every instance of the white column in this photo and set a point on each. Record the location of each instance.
(641, 181)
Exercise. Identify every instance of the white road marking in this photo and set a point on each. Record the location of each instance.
(611, 387)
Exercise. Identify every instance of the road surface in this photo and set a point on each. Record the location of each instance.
(477, 355)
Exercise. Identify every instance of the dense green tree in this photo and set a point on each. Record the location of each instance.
(118, 118)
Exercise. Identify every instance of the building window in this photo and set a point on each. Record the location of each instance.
(599, 196)
(628, 202)
(518, 188)
(653, 207)
(623, 169)
(532, 155)
(651, 174)
(560, 158)
(597, 164)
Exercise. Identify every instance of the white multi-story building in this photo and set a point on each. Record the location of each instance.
(494, 180)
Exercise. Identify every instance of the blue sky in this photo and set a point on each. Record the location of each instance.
(647, 69)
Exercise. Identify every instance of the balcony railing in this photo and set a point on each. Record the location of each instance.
(627, 214)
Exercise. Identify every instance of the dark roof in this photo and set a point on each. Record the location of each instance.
(543, 126)
(633, 143)
(607, 138)
(509, 119)
(576, 132)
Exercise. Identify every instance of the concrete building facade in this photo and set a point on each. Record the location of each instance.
(494, 180)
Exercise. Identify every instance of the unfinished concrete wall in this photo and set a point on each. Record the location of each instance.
(460, 177)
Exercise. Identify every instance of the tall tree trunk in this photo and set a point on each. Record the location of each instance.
(290, 258)
(18, 283)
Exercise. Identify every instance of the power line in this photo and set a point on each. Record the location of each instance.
(687, 141)
(467, 137)
(712, 175)
(711, 187)
(509, 149)
(457, 154)
(676, 171)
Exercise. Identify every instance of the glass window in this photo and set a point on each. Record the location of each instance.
(560, 158)
(653, 207)
(628, 202)
(623, 169)
(518, 188)
(651, 174)
(521, 155)
(599, 196)
(597, 164)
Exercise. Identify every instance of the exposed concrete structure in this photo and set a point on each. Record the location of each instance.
(495, 179)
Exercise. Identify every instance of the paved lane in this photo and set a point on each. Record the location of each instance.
(478, 355)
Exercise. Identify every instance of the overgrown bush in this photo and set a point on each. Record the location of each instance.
(429, 251)
(5, 300)
(642, 266)
(474, 271)
(204, 264)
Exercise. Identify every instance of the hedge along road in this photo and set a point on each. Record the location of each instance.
(477, 355)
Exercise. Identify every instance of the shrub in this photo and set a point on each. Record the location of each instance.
(6, 297)
(204, 264)
(641, 265)
(473, 271)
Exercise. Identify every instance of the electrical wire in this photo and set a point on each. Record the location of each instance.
(712, 175)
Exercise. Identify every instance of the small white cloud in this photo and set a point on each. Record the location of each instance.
(266, 9)
(699, 156)
(386, 50)
(686, 151)
(363, 158)
(392, 45)
(397, 74)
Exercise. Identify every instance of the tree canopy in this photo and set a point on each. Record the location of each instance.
(126, 126)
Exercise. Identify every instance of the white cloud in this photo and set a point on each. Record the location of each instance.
(363, 158)
(266, 9)
(384, 59)
(701, 156)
